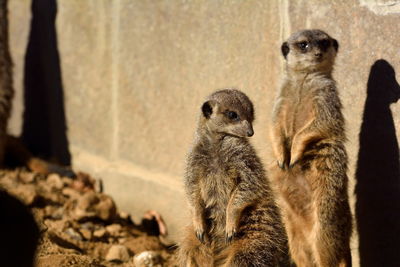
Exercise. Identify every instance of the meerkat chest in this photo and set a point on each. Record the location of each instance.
(218, 184)
(298, 110)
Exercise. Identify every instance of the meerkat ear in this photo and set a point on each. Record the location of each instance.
(207, 108)
(335, 44)
(285, 49)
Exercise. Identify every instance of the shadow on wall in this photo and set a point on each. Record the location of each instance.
(19, 233)
(44, 126)
(378, 172)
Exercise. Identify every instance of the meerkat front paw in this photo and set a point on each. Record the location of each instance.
(282, 158)
(294, 160)
(200, 235)
(282, 162)
(199, 230)
(230, 233)
(292, 163)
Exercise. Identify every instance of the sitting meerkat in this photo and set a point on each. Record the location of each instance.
(235, 219)
(308, 142)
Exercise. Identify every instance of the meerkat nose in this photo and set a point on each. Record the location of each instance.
(318, 54)
(250, 132)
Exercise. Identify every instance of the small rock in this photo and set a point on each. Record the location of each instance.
(83, 182)
(54, 180)
(87, 234)
(148, 259)
(53, 212)
(27, 177)
(124, 215)
(66, 180)
(58, 226)
(99, 233)
(114, 229)
(143, 243)
(94, 205)
(124, 234)
(118, 253)
(71, 193)
(122, 240)
(88, 225)
(73, 234)
(27, 193)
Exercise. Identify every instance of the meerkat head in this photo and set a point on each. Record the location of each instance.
(228, 112)
(310, 51)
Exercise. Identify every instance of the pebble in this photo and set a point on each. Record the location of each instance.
(99, 233)
(73, 234)
(87, 234)
(27, 177)
(118, 253)
(54, 180)
(148, 259)
(124, 215)
(95, 205)
(113, 229)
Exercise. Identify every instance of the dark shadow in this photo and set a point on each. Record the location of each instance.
(19, 233)
(378, 172)
(44, 126)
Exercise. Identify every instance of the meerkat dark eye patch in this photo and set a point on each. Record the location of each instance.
(232, 115)
(324, 44)
(335, 44)
(285, 49)
(303, 46)
(207, 109)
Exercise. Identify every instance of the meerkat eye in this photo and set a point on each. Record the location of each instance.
(303, 45)
(324, 44)
(232, 115)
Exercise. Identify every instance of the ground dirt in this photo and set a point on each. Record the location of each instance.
(75, 224)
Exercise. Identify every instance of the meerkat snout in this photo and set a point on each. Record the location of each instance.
(318, 54)
(250, 131)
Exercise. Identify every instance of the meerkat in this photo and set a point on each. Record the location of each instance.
(6, 80)
(235, 219)
(311, 161)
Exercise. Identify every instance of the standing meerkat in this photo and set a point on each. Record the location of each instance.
(308, 143)
(235, 219)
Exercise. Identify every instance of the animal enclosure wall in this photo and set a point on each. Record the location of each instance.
(133, 75)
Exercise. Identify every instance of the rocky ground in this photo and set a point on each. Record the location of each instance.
(77, 225)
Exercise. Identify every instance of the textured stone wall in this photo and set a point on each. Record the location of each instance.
(135, 74)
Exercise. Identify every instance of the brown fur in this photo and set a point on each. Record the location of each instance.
(235, 218)
(308, 141)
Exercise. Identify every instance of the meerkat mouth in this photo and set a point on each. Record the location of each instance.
(318, 60)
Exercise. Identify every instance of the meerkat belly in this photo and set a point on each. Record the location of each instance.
(296, 186)
(216, 191)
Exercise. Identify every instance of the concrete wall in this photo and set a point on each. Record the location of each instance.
(135, 74)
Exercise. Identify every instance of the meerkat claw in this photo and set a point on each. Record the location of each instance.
(291, 165)
(200, 236)
(281, 164)
(229, 237)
